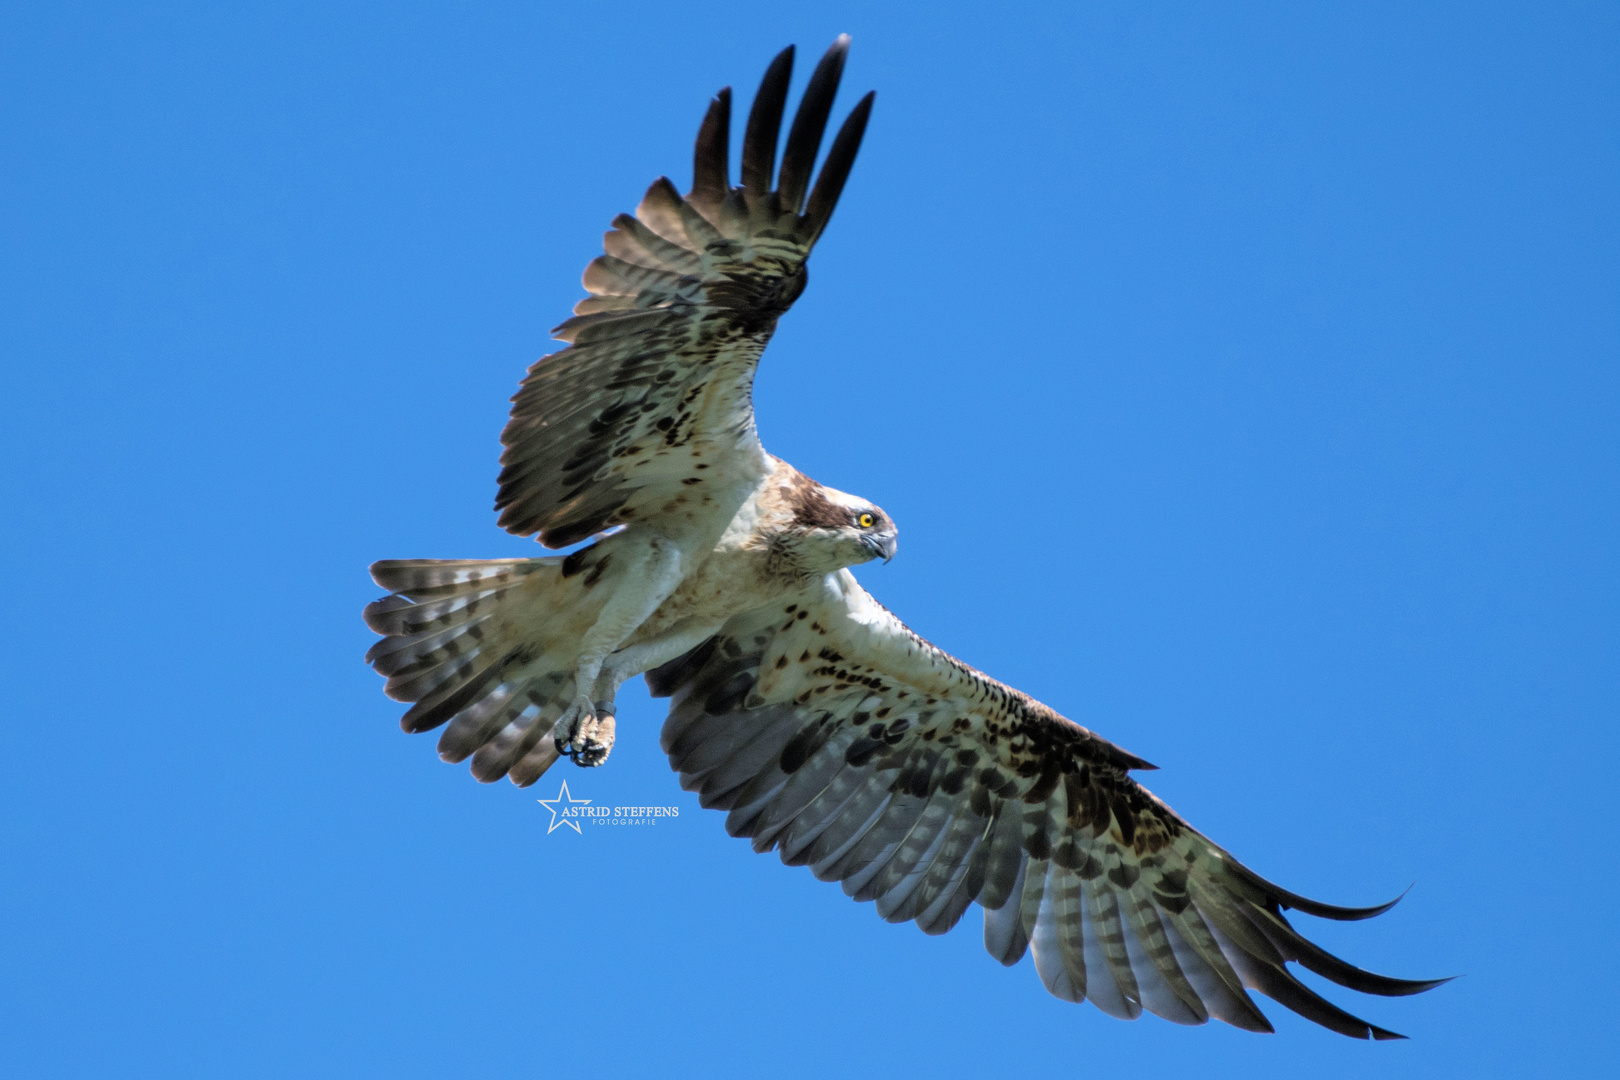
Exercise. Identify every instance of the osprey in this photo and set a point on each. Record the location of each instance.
(819, 722)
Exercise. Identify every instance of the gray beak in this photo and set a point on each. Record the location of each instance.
(884, 545)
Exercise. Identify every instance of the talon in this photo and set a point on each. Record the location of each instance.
(584, 733)
(595, 741)
(565, 733)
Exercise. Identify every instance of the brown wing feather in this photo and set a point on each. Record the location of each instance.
(835, 735)
(648, 412)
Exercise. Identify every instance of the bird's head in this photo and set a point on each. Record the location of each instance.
(834, 530)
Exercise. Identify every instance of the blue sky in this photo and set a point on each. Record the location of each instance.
(1242, 377)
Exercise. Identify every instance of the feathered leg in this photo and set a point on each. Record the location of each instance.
(627, 663)
(585, 730)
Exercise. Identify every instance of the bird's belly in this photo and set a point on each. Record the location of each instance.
(729, 582)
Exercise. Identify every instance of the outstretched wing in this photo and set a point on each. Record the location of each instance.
(648, 412)
(838, 737)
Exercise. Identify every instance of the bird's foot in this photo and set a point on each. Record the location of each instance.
(585, 732)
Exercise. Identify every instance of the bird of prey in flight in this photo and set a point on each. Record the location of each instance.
(825, 728)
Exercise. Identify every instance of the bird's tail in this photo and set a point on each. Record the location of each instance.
(489, 646)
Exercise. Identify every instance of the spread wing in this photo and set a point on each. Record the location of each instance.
(836, 736)
(651, 399)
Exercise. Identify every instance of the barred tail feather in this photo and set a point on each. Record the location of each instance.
(488, 647)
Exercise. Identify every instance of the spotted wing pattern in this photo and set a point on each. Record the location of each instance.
(651, 398)
(834, 735)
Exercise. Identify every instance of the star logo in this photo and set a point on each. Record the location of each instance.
(559, 809)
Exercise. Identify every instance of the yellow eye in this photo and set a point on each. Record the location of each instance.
(866, 521)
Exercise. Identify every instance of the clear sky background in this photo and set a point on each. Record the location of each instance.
(1242, 377)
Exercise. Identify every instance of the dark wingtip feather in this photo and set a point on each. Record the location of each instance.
(835, 170)
(1281, 987)
(809, 124)
(1286, 899)
(1348, 975)
(711, 167)
(764, 124)
(1295, 946)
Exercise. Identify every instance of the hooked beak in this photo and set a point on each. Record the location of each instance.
(884, 544)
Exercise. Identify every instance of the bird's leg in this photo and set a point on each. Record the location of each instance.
(585, 730)
(593, 735)
(678, 640)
